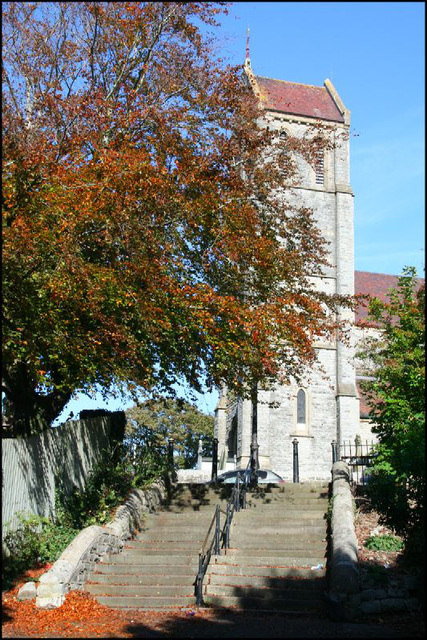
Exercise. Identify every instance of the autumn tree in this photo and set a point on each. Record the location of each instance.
(396, 397)
(146, 240)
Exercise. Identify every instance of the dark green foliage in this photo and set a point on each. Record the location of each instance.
(151, 425)
(107, 486)
(112, 479)
(396, 397)
(40, 540)
(378, 573)
(37, 541)
(386, 542)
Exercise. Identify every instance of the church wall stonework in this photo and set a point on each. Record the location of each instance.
(331, 400)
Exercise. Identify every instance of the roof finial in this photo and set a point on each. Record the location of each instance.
(247, 44)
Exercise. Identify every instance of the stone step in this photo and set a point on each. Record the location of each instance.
(143, 559)
(275, 582)
(283, 605)
(288, 528)
(143, 570)
(165, 526)
(202, 492)
(123, 590)
(276, 505)
(200, 523)
(280, 506)
(248, 541)
(148, 579)
(290, 544)
(159, 544)
(306, 531)
(161, 551)
(289, 573)
(288, 560)
(189, 501)
(264, 592)
(291, 488)
(271, 516)
(209, 508)
(248, 554)
(270, 498)
(176, 535)
(195, 538)
(187, 516)
(146, 603)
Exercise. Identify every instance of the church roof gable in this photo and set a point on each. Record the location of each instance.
(298, 99)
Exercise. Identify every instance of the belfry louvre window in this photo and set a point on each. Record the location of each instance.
(283, 141)
(319, 167)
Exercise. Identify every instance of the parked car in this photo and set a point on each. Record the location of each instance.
(265, 476)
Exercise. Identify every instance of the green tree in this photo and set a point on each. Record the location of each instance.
(149, 427)
(396, 396)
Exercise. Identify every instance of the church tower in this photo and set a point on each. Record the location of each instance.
(325, 407)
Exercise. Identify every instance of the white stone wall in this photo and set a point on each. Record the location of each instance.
(332, 401)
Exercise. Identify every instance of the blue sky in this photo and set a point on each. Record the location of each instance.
(374, 53)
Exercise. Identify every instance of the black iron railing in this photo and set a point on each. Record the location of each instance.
(206, 553)
(358, 455)
(221, 537)
(236, 502)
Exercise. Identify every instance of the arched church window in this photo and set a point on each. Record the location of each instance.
(301, 407)
(232, 438)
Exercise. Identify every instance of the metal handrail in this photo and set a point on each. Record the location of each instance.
(233, 505)
(205, 555)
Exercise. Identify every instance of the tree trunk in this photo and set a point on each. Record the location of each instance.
(25, 412)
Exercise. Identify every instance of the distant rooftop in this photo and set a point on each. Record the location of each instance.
(376, 285)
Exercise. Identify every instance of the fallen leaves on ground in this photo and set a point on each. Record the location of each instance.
(81, 616)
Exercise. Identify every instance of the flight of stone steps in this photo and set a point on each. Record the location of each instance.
(157, 570)
(273, 545)
(277, 554)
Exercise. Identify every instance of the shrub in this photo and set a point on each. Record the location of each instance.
(39, 540)
(36, 542)
(386, 542)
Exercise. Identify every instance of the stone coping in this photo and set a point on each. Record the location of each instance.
(344, 585)
(71, 569)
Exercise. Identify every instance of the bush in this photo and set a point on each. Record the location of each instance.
(395, 390)
(109, 484)
(39, 540)
(36, 542)
(385, 542)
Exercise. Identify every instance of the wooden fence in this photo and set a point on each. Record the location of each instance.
(31, 466)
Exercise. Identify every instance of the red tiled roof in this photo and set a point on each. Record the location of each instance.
(298, 99)
(376, 285)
